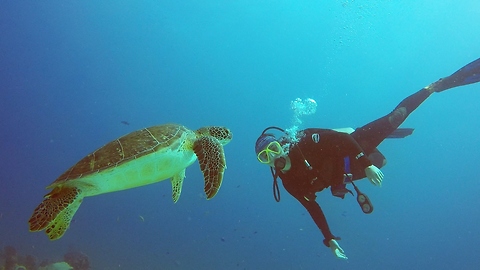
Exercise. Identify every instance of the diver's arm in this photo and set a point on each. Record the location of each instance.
(342, 144)
(373, 173)
(318, 217)
(307, 198)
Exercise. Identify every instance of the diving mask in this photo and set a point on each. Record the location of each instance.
(267, 155)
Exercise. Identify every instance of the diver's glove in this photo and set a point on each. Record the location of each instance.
(374, 175)
(337, 250)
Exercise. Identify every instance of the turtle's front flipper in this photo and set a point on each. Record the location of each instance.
(56, 211)
(177, 183)
(210, 155)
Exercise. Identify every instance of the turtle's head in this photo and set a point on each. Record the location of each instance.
(223, 134)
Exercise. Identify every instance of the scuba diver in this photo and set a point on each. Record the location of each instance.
(315, 159)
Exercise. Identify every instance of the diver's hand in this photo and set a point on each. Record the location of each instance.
(337, 250)
(374, 175)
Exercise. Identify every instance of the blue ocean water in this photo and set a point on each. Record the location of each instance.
(71, 71)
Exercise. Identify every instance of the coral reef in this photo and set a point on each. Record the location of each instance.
(57, 266)
(78, 260)
(11, 260)
(30, 262)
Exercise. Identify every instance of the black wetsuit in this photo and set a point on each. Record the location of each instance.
(325, 151)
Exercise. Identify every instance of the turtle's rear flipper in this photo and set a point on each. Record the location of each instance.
(210, 155)
(56, 211)
(177, 183)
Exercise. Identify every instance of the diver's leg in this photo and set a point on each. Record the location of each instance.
(373, 133)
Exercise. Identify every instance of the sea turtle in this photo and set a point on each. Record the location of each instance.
(140, 158)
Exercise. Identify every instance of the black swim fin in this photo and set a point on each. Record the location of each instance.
(466, 75)
(400, 133)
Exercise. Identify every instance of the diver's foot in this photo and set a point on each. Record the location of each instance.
(439, 86)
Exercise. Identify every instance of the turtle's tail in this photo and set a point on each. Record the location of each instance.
(56, 211)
